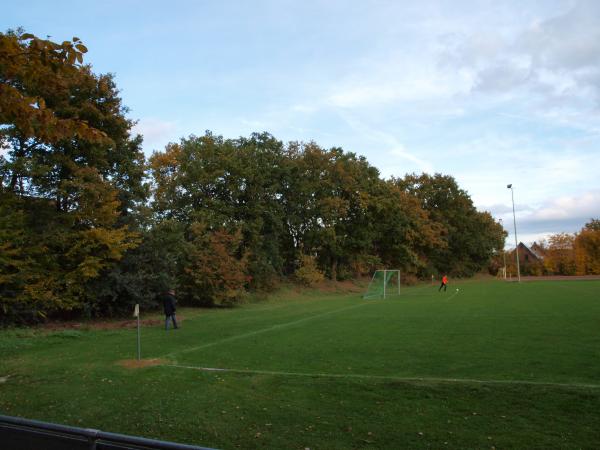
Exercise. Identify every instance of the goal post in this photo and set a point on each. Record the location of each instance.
(385, 283)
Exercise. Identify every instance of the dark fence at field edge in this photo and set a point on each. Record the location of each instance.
(25, 434)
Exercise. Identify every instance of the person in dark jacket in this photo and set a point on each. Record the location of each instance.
(169, 304)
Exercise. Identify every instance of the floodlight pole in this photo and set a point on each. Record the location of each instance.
(509, 186)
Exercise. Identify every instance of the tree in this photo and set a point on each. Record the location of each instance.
(225, 195)
(471, 237)
(29, 68)
(145, 271)
(587, 249)
(59, 118)
(257, 177)
(560, 254)
(213, 273)
(21, 264)
(72, 171)
(405, 233)
(325, 197)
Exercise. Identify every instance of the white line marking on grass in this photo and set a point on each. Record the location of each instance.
(264, 330)
(450, 298)
(386, 377)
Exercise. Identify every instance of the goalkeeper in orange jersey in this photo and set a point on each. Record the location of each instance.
(444, 283)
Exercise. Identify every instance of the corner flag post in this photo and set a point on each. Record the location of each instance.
(136, 313)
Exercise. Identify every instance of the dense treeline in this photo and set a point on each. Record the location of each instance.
(88, 226)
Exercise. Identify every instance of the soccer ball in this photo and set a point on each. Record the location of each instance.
(456, 289)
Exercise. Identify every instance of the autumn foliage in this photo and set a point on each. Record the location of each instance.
(88, 226)
(214, 273)
(574, 254)
(66, 137)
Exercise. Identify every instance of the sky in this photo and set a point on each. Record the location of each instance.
(490, 92)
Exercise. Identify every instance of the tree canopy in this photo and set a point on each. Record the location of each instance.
(70, 175)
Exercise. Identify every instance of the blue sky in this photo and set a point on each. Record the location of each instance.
(490, 92)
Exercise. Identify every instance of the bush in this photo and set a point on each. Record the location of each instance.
(408, 280)
(214, 273)
(308, 273)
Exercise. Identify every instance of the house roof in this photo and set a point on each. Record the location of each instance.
(534, 253)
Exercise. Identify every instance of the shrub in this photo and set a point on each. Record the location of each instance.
(308, 273)
(214, 274)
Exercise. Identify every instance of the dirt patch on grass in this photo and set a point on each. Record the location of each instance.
(114, 324)
(559, 278)
(108, 325)
(349, 286)
(138, 364)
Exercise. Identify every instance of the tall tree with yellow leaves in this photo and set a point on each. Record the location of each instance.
(71, 173)
(587, 249)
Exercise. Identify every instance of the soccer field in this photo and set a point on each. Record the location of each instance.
(495, 364)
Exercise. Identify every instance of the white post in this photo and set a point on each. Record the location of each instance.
(136, 313)
(384, 278)
(398, 282)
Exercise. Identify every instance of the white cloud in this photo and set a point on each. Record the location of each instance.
(583, 206)
(398, 150)
(157, 133)
(566, 41)
(503, 210)
(502, 76)
(389, 144)
(564, 214)
(555, 59)
(371, 92)
(527, 238)
(391, 79)
(540, 167)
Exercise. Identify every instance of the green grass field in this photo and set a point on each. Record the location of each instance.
(496, 365)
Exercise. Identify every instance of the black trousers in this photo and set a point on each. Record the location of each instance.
(443, 285)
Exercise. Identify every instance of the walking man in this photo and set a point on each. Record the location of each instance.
(444, 283)
(169, 302)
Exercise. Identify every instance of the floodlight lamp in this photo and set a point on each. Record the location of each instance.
(509, 186)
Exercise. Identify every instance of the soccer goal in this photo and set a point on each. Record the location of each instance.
(385, 283)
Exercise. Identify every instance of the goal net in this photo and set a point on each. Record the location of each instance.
(384, 284)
